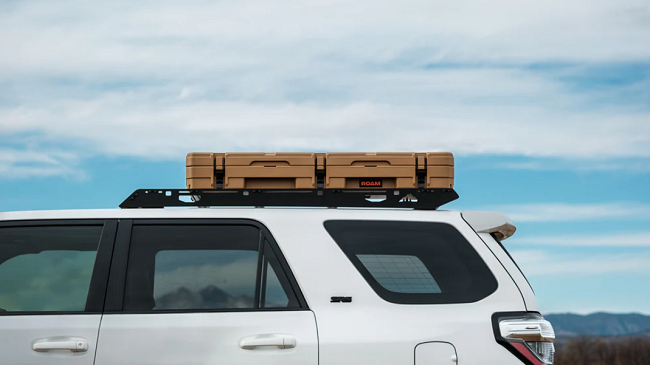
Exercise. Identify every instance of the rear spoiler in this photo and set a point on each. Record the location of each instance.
(490, 222)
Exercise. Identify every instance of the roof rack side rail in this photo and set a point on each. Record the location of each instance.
(421, 199)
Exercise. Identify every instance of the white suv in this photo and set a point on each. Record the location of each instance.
(260, 286)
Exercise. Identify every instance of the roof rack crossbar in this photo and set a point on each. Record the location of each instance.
(421, 199)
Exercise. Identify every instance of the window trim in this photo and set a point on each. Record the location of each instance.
(117, 278)
(99, 278)
(417, 298)
(264, 274)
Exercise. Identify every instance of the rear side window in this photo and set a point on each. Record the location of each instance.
(400, 273)
(204, 267)
(46, 269)
(414, 262)
(204, 279)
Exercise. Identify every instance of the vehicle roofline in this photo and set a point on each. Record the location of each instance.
(181, 212)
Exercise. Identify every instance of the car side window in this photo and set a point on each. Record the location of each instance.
(414, 262)
(47, 268)
(203, 267)
(193, 279)
(400, 273)
(276, 291)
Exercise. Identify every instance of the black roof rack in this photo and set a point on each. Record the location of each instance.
(423, 199)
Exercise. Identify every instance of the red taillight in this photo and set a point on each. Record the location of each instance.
(527, 335)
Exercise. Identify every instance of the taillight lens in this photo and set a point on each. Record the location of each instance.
(527, 335)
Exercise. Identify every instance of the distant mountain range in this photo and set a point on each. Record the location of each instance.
(209, 297)
(599, 324)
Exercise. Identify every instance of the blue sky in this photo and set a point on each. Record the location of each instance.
(546, 106)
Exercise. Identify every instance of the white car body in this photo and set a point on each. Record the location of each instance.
(368, 330)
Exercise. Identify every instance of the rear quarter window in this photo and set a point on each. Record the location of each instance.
(414, 262)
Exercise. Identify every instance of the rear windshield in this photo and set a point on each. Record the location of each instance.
(414, 262)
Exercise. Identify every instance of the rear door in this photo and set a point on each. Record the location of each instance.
(53, 277)
(203, 292)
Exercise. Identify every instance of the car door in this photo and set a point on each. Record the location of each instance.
(203, 292)
(53, 277)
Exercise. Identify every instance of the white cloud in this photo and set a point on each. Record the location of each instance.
(18, 164)
(537, 262)
(185, 92)
(563, 212)
(140, 124)
(82, 36)
(157, 79)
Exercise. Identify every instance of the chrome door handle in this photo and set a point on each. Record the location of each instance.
(280, 341)
(69, 344)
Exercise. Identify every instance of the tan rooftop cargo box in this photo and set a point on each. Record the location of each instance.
(370, 170)
(270, 171)
(335, 170)
(440, 170)
(201, 168)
